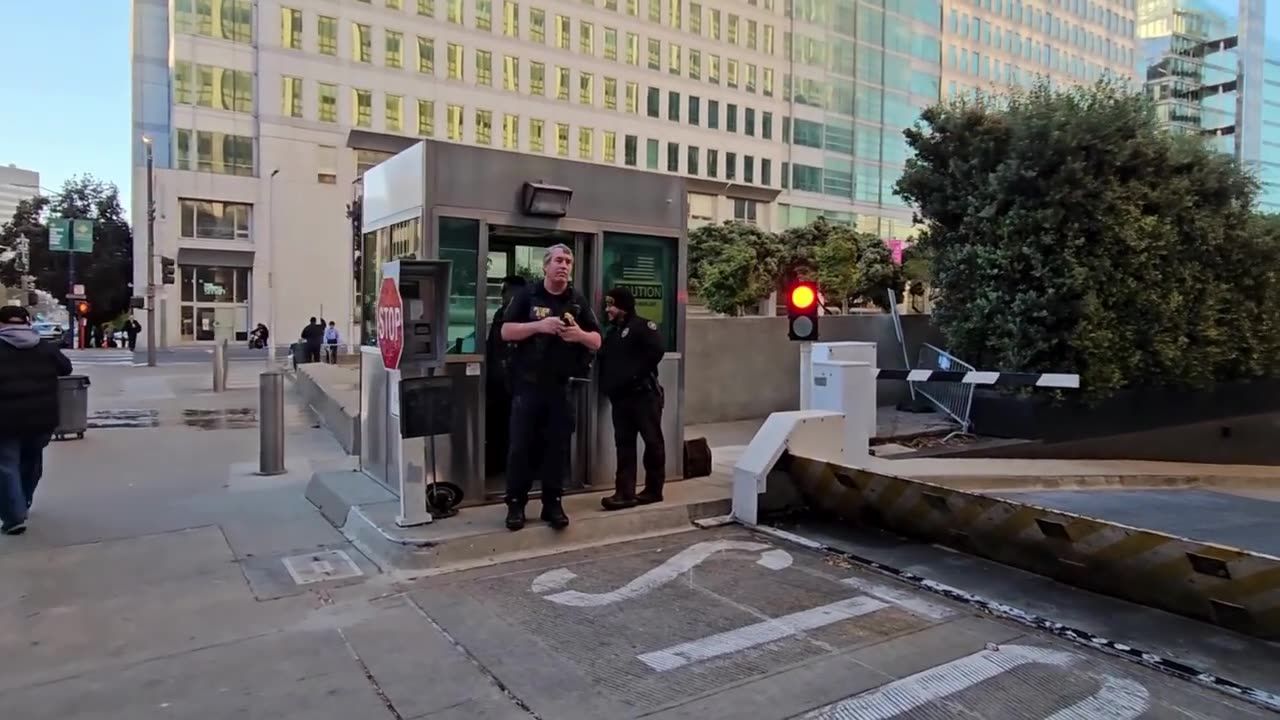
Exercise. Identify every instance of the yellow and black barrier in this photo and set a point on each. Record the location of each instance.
(1226, 586)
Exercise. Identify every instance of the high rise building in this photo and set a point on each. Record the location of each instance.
(16, 185)
(1210, 70)
(994, 44)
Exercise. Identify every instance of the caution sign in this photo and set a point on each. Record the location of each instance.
(650, 300)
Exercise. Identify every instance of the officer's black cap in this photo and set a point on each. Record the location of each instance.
(623, 299)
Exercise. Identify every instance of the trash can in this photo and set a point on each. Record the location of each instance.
(298, 351)
(73, 406)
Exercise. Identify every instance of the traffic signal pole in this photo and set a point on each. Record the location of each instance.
(806, 376)
(151, 258)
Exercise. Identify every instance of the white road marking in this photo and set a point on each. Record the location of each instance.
(675, 566)
(1119, 699)
(913, 602)
(742, 638)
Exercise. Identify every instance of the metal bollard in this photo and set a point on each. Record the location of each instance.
(271, 423)
(220, 367)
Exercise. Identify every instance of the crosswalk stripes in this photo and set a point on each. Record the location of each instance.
(120, 358)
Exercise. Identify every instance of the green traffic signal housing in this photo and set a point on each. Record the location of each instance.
(802, 312)
(167, 271)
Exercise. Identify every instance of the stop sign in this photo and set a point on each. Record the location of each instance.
(390, 324)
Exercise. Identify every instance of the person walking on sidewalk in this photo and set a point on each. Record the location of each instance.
(331, 343)
(29, 372)
(131, 329)
(629, 362)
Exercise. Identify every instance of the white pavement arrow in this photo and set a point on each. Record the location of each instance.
(675, 566)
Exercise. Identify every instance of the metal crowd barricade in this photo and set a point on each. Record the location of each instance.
(952, 398)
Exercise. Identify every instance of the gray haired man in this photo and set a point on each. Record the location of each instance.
(554, 332)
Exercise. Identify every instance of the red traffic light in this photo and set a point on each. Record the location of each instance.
(803, 296)
(82, 307)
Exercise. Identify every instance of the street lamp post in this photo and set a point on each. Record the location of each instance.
(151, 256)
(271, 267)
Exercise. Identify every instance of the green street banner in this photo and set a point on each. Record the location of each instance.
(82, 236)
(59, 235)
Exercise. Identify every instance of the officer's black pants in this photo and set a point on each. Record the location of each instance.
(639, 413)
(541, 431)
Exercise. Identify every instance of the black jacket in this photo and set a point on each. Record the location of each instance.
(29, 385)
(629, 357)
(313, 335)
(543, 360)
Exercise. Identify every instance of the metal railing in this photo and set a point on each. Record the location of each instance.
(951, 398)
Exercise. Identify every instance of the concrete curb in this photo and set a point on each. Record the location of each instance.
(1016, 483)
(344, 424)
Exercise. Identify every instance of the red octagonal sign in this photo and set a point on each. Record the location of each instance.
(390, 324)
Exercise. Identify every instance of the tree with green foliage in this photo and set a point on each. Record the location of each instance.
(106, 273)
(1069, 233)
(733, 265)
(849, 266)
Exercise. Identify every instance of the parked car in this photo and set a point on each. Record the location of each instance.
(51, 332)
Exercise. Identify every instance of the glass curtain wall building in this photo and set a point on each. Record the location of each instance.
(1211, 71)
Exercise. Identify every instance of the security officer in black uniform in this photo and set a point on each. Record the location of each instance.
(555, 333)
(629, 378)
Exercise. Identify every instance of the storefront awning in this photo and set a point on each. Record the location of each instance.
(215, 258)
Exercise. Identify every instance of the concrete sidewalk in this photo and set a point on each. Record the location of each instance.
(162, 578)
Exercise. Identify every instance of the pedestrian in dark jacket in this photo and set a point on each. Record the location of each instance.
(313, 336)
(629, 360)
(29, 372)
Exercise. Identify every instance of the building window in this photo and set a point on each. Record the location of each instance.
(484, 127)
(361, 43)
(731, 117)
(510, 18)
(633, 49)
(673, 157)
(745, 210)
(291, 29)
(562, 32)
(328, 96)
(291, 96)
(537, 143)
(766, 125)
(326, 164)
(453, 122)
(586, 137)
(655, 54)
(586, 88)
(426, 118)
(511, 73)
(362, 108)
(730, 166)
(673, 106)
(695, 64)
(610, 44)
(327, 35)
(484, 15)
(748, 169)
(426, 56)
(673, 59)
(484, 68)
(691, 159)
(633, 97)
(214, 152)
(454, 52)
(732, 80)
(586, 38)
(695, 110)
(213, 298)
(610, 146)
(749, 122)
(214, 220)
(611, 93)
(562, 83)
(393, 4)
(630, 145)
(393, 42)
(511, 132)
(695, 18)
(229, 20)
(538, 26)
(713, 114)
(427, 8)
(562, 139)
(651, 154)
(395, 112)
(537, 79)
(766, 172)
(713, 69)
(653, 106)
(213, 87)
(454, 11)
(655, 11)
(766, 88)
(713, 161)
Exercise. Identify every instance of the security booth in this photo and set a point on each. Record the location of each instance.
(491, 215)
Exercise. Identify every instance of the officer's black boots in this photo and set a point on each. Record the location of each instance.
(617, 501)
(553, 514)
(515, 516)
(649, 497)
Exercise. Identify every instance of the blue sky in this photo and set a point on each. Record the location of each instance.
(64, 92)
